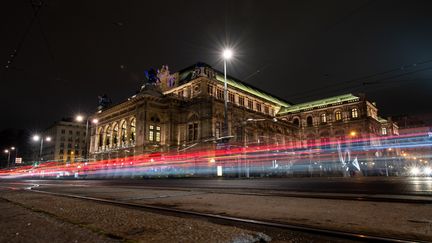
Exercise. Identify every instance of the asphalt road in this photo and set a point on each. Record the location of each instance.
(361, 185)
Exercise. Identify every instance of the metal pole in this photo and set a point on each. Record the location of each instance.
(8, 161)
(225, 127)
(85, 142)
(40, 150)
(16, 155)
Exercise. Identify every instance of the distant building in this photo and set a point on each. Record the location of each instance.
(67, 141)
(185, 110)
(416, 126)
(341, 117)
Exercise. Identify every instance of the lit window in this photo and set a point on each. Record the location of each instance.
(158, 134)
(384, 131)
(354, 113)
(151, 132)
(338, 116)
(323, 118)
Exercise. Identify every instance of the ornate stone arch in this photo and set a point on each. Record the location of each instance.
(132, 130)
(115, 135)
(123, 132)
(107, 136)
(296, 121)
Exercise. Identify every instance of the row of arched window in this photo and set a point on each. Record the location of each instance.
(117, 134)
(324, 117)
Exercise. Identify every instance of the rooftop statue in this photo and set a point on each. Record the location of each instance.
(152, 76)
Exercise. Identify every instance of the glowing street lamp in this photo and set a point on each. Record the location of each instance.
(37, 138)
(7, 151)
(80, 118)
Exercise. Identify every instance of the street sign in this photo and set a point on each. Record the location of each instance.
(18, 160)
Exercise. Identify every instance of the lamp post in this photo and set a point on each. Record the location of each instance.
(37, 138)
(7, 151)
(80, 118)
(227, 54)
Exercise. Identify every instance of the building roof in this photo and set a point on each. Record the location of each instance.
(186, 74)
(336, 100)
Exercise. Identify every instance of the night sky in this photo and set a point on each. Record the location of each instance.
(297, 50)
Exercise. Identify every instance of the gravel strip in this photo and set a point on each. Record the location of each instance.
(19, 224)
(129, 224)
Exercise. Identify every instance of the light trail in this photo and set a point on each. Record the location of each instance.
(408, 154)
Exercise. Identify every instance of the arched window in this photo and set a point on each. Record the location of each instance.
(309, 121)
(115, 135)
(100, 137)
(296, 122)
(323, 118)
(132, 130)
(108, 137)
(123, 133)
(338, 115)
(354, 113)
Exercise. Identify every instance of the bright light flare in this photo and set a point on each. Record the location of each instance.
(414, 171)
(36, 138)
(79, 118)
(48, 139)
(427, 171)
(95, 121)
(227, 54)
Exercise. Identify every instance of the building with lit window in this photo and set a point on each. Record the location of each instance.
(185, 111)
(67, 143)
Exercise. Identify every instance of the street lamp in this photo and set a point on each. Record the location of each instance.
(226, 55)
(7, 151)
(37, 138)
(80, 118)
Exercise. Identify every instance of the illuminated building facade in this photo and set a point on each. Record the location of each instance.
(185, 111)
(337, 118)
(67, 141)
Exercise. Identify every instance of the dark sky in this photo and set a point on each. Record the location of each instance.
(304, 50)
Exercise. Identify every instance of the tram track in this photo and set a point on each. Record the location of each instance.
(231, 219)
(390, 198)
(411, 199)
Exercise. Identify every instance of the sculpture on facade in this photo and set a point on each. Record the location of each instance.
(104, 101)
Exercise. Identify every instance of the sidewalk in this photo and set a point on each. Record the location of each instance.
(413, 221)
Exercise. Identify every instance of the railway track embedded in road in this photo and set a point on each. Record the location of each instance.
(230, 219)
